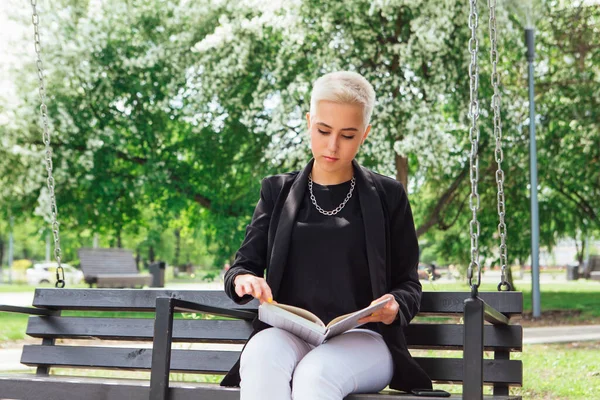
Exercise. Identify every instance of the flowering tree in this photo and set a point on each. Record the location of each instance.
(178, 109)
(413, 52)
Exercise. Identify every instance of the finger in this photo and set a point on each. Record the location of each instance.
(267, 294)
(382, 298)
(241, 289)
(247, 288)
(256, 290)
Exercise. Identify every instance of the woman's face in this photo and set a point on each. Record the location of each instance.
(336, 133)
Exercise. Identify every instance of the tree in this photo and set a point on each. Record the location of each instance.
(163, 110)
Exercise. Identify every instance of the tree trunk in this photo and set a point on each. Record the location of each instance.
(151, 254)
(119, 243)
(581, 254)
(177, 246)
(1, 252)
(402, 170)
(138, 258)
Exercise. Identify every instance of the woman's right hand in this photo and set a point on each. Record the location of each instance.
(254, 286)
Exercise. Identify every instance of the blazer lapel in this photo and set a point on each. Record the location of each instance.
(374, 222)
(281, 242)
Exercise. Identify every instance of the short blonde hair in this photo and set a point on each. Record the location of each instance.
(344, 87)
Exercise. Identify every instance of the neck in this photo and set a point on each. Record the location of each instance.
(324, 177)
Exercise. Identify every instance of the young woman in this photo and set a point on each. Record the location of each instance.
(332, 238)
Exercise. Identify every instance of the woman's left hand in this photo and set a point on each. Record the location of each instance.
(386, 315)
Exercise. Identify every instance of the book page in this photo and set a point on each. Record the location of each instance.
(301, 312)
(280, 318)
(346, 322)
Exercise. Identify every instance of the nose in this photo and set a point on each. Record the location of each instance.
(332, 143)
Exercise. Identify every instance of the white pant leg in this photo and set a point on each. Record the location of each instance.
(357, 361)
(267, 364)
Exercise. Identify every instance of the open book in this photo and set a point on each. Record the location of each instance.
(307, 325)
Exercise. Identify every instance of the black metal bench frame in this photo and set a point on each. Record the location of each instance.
(473, 337)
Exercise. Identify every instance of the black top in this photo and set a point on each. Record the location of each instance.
(327, 271)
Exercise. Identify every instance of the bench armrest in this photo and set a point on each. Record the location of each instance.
(27, 310)
(163, 336)
(189, 306)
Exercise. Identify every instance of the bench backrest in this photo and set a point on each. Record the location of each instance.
(499, 371)
(95, 262)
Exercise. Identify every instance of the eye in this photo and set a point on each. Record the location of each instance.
(323, 132)
(347, 137)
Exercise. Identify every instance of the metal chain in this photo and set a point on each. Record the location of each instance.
(474, 267)
(60, 275)
(498, 152)
(338, 208)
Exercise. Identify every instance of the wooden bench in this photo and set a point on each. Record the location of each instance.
(593, 268)
(104, 344)
(111, 268)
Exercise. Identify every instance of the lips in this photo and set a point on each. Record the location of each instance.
(330, 158)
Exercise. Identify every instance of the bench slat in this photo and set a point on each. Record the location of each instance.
(193, 361)
(187, 330)
(127, 299)
(438, 336)
(55, 388)
(451, 337)
(216, 362)
(437, 303)
(453, 302)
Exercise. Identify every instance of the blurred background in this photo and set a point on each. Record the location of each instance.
(166, 115)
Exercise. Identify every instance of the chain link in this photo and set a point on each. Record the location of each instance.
(499, 155)
(35, 19)
(474, 267)
(338, 208)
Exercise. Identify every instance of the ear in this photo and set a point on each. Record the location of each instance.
(308, 120)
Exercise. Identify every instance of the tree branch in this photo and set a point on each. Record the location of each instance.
(443, 201)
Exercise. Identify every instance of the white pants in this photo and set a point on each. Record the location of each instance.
(277, 365)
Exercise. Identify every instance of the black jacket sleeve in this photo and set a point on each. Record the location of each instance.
(251, 257)
(405, 284)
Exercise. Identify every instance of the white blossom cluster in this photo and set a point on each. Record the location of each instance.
(404, 122)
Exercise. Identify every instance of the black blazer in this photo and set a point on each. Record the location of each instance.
(392, 254)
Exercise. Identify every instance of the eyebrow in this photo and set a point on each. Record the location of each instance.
(343, 129)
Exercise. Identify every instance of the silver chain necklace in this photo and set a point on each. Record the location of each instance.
(338, 208)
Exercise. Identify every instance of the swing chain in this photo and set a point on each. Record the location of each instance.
(495, 77)
(474, 138)
(60, 274)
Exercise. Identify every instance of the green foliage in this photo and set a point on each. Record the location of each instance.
(167, 115)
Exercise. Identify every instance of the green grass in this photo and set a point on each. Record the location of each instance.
(573, 295)
(565, 371)
(550, 371)
(13, 326)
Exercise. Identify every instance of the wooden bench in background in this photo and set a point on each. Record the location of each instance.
(101, 352)
(593, 268)
(111, 268)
